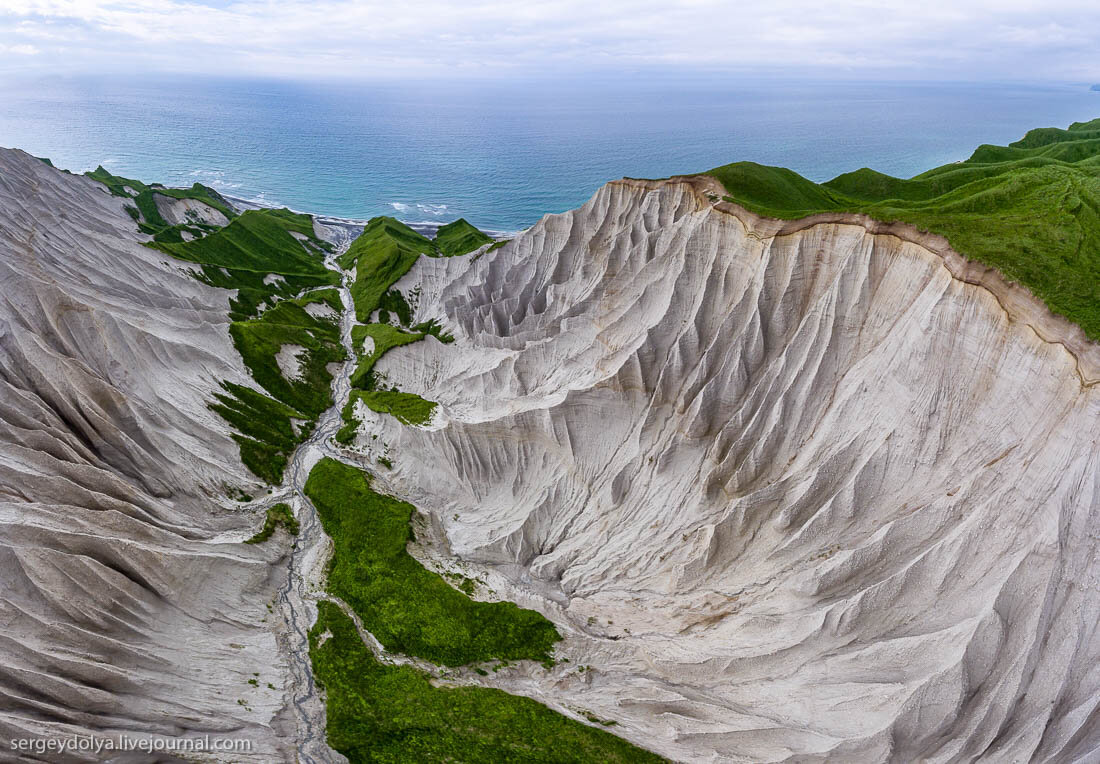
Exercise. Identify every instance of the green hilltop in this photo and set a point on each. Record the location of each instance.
(144, 210)
(460, 237)
(1030, 209)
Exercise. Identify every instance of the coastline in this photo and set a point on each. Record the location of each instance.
(426, 227)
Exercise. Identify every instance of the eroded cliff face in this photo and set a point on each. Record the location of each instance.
(128, 604)
(793, 491)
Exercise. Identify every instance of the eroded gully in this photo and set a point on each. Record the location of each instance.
(304, 586)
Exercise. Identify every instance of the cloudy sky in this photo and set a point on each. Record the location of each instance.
(926, 39)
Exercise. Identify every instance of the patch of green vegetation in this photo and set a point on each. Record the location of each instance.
(385, 462)
(498, 244)
(433, 328)
(385, 337)
(381, 255)
(1030, 209)
(346, 434)
(266, 433)
(329, 297)
(279, 514)
(459, 238)
(382, 713)
(260, 340)
(408, 408)
(394, 301)
(597, 720)
(143, 196)
(407, 607)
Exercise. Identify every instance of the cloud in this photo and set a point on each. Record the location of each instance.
(492, 38)
(19, 50)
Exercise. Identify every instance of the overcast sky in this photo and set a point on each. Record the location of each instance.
(924, 39)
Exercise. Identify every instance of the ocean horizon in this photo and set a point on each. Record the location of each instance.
(502, 155)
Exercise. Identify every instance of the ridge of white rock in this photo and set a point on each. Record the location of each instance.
(806, 491)
(128, 605)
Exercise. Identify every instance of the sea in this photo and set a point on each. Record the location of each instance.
(503, 154)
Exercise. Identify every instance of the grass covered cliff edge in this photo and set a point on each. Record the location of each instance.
(1030, 209)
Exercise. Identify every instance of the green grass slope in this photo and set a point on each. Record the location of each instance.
(1030, 209)
(381, 713)
(261, 241)
(459, 238)
(381, 255)
(409, 608)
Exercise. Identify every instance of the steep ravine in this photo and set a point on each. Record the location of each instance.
(298, 597)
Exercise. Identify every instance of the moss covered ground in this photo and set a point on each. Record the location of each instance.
(382, 713)
(409, 608)
(279, 514)
(1030, 209)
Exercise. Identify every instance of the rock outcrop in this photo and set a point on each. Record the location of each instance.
(129, 607)
(179, 211)
(795, 492)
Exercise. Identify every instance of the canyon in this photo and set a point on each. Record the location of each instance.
(819, 489)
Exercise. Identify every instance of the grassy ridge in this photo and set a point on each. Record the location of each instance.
(459, 238)
(144, 203)
(1031, 209)
(382, 713)
(407, 607)
(381, 255)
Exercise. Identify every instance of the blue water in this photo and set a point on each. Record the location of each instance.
(503, 155)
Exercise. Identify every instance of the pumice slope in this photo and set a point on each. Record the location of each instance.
(129, 607)
(809, 491)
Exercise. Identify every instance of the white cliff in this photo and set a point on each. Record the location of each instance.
(804, 491)
(128, 605)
